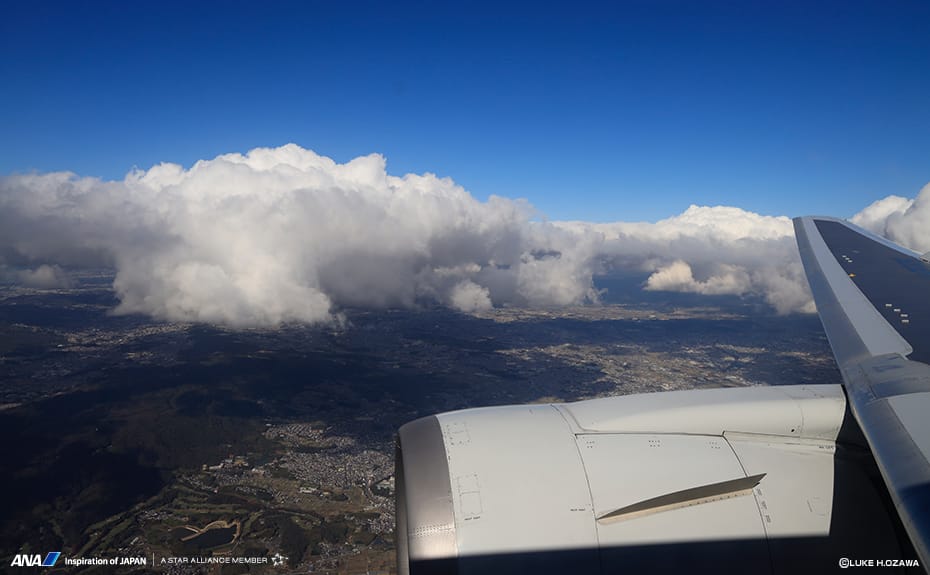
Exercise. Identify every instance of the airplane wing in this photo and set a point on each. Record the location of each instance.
(773, 479)
(873, 297)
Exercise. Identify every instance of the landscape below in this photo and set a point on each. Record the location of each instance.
(127, 436)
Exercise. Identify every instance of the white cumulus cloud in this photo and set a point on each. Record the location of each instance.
(874, 216)
(901, 220)
(286, 235)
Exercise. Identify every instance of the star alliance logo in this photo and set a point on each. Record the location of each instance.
(35, 560)
(278, 560)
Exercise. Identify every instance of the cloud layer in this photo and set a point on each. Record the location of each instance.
(285, 235)
(711, 250)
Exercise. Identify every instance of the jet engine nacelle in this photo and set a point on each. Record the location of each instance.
(745, 480)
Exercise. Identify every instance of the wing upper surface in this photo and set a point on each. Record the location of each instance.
(872, 297)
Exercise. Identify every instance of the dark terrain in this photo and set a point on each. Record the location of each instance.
(125, 436)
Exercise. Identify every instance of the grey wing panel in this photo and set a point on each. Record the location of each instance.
(895, 282)
(853, 323)
(870, 295)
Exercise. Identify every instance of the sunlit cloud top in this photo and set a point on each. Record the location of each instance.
(286, 235)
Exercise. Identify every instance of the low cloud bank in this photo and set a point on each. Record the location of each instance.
(285, 235)
(42, 277)
(714, 251)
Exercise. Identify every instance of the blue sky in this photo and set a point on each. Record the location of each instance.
(591, 111)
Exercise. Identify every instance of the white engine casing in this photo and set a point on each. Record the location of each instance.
(733, 479)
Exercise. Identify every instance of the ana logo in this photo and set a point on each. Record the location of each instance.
(35, 560)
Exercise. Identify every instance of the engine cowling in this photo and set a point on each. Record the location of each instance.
(722, 480)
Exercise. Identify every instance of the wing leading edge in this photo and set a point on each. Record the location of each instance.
(873, 298)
